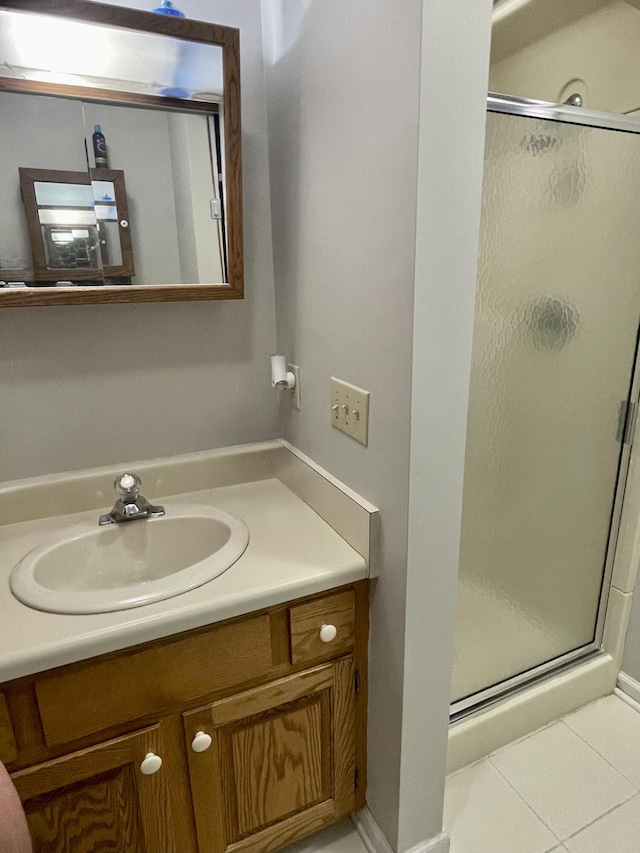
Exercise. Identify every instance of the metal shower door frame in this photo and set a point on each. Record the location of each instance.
(562, 112)
(565, 113)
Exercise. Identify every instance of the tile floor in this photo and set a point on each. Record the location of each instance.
(572, 787)
(339, 838)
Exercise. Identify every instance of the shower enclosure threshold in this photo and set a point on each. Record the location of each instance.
(479, 702)
(509, 716)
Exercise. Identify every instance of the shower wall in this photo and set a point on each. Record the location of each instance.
(595, 54)
(554, 345)
(631, 660)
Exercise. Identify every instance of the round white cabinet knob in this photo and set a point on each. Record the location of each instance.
(201, 742)
(328, 633)
(151, 764)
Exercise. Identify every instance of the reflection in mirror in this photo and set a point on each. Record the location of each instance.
(78, 226)
(174, 189)
(50, 51)
(68, 224)
(123, 154)
(169, 161)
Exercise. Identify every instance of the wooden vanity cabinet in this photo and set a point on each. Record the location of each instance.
(97, 799)
(281, 762)
(252, 733)
(8, 749)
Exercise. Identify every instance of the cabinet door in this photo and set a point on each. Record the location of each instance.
(98, 800)
(276, 763)
(8, 751)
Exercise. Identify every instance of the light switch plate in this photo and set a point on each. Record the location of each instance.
(350, 410)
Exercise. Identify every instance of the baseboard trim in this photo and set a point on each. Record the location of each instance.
(438, 844)
(375, 840)
(372, 836)
(630, 688)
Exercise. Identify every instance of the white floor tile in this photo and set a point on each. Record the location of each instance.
(612, 728)
(616, 832)
(562, 778)
(483, 814)
(341, 837)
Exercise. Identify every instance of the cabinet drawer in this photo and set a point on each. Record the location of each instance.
(154, 680)
(8, 750)
(307, 620)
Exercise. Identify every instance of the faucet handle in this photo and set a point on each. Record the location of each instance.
(128, 486)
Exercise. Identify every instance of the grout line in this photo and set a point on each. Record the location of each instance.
(467, 767)
(527, 804)
(531, 734)
(613, 808)
(587, 705)
(488, 756)
(562, 720)
(587, 825)
(603, 757)
(535, 732)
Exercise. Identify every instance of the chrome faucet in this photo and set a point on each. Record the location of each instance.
(131, 505)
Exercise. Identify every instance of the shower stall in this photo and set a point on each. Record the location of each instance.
(553, 395)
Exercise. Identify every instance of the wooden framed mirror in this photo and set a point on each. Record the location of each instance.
(121, 169)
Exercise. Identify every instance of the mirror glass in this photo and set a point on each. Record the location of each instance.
(68, 225)
(113, 164)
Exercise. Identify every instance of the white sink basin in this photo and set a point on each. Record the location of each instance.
(92, 569)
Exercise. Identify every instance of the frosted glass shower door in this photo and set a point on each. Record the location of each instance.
(554, 347)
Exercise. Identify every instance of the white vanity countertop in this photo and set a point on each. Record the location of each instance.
(292, 553)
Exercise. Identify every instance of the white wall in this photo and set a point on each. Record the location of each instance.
(343, 89)
(455, 65)
(90, 385)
